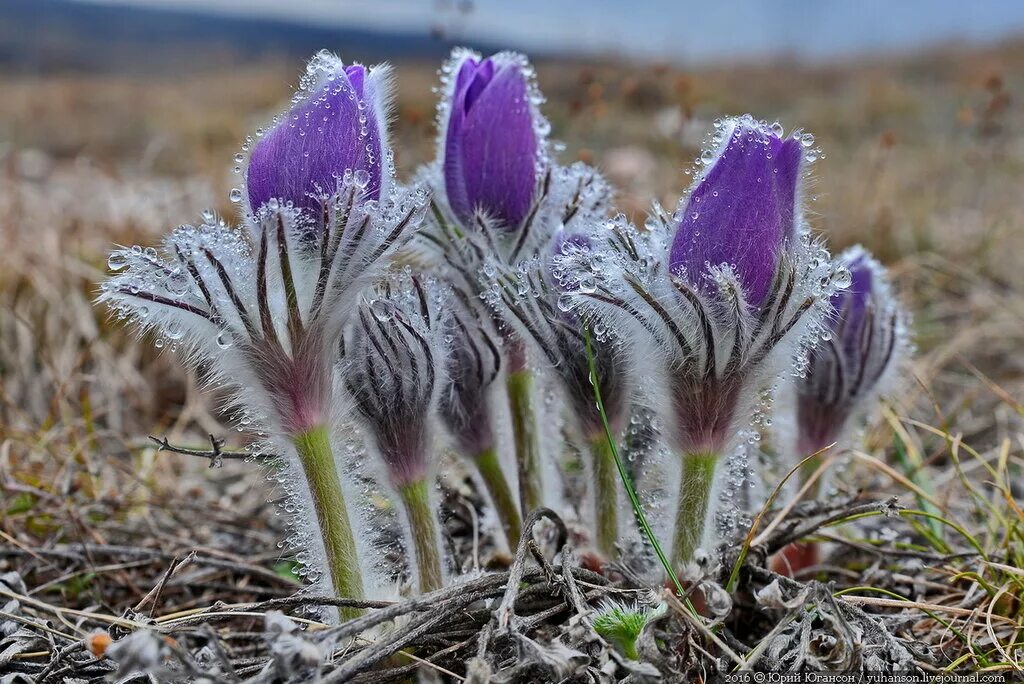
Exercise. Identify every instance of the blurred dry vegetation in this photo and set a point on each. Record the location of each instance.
(924, 164)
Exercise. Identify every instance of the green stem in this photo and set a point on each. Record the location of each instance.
(627, 482)
(606, 499)
(489, 466)
(694, 494)
(524, 432)
(317, 459)
(423, 526)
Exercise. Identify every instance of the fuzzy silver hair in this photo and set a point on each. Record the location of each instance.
(715, 353)
(394, 368)
(265, 305)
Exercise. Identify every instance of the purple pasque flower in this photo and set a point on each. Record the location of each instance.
(741, 212)
(474, 364)
(493, 138)
(394, 368)
(337, 124)
(864, 342)
(263, 308)
(721, 298)
(715, 297)
(583, 354)
(500, 198)
(533, 299)
(265, 305)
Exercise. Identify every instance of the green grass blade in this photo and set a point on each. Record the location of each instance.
(626, 481)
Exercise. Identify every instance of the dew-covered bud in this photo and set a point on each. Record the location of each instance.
(723, 295)
(583, 354)
(492, 144)
(264, 309)
(866, 339)
(468, 405)
(566, 345)
(394, 368)
(741, 211)
(336, 125)
(474, 363)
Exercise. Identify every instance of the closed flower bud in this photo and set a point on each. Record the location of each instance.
(336, 126)
(394, 369)
(492, 141)
(742, 211)
(723, 294)
(865, 341)
(581, 352)
(474, 364)
(264, 310)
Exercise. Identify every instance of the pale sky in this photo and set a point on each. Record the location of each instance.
(681, 29)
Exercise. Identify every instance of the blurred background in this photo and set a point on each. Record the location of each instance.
(120, 120)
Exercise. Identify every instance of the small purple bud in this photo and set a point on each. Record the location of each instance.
(867, 339)
(742, 211)
(850, 305)
(491, 146)
(564, 241)
(566, 244)
(336, 125)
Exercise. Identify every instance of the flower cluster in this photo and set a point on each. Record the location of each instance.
(430, 316)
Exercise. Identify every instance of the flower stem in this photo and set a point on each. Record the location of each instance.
(317, 459)
(524, 432)
(606, 495)
(423, 526)
(694, 494)
(501, 494)
(627, 483)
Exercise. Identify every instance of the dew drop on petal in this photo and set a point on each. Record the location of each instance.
(117, 261)
(361, 178)
(381, 310)
(224, 339)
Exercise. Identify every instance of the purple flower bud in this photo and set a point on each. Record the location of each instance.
(491, 146)
(850, 305)
(395, 365)
(866, 341)
(565, 241)
(741, 211)
(474, 364)
(337, 124)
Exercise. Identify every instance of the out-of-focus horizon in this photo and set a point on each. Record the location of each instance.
(660, 29)
(43, 35)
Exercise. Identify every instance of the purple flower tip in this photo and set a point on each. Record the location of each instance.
(854, 299)
(491, 146)
(742, 211)
(336, 124)
(850, 306)
(564, 241)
